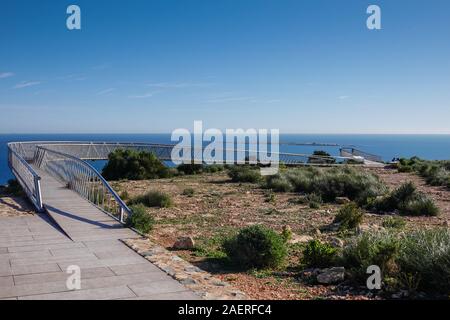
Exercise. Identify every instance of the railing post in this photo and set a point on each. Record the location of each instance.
(38, 192)
(121, 215)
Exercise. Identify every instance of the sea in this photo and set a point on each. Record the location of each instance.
(431, 147)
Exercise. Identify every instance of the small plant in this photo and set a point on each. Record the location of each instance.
(286, 233)
(140, 219)
(394, 222)
(256, 247)
(349, 216)
(190, 168)
(124, 195)
(154, 199)
(189, 192)
(314, 200)
(371, 249)
(321, 157)
(270, 197)
(319, 255)
(426, 255)
(244, 174)
(408, 201)
(278, 183)
(13, 188)
(213, 168)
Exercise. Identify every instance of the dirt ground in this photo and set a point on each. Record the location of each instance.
(13, 206)
(220, 207)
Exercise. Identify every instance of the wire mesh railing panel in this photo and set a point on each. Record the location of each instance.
(26, 176)
(82, 178)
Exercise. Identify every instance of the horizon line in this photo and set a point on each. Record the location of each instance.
(168, 133)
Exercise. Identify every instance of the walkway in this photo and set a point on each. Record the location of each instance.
(35, 254)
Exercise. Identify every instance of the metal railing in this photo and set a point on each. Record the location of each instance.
(349, 152)
(26, 176)
(81, 177)
(65, 161)
(101, 151)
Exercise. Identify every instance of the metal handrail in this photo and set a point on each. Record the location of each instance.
(26, 176)
(82, 178)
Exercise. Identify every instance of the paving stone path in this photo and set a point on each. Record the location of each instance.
(36, 250)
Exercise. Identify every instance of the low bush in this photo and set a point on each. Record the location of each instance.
(190, 168)
(371, 249)
(417, 260)
(394, 223)
(140, 219)
(349, 217)
(154, 199)
(357, 185)
(425, 255)
(13, 188)
(407, 200)
(124, 195)
(436, 173)
(278, 183)
(244, 174)
(314, 200)
(213, 168)
(270, 197)
(188, 192)
(256, 247)
(319, 255)
(134, 165)
(321, 157)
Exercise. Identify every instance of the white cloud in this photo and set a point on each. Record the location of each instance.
(6, 75)
(143, 96)
(105, 91)
(343, 97)
(25, 84)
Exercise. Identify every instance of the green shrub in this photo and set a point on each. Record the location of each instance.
(256, 247)
(314, 200)
(421, 206)
(321, 157)
(278, 183)
(408, 201)
(347, 182)
(140, 219)
(124, 195)
(154, 199)
(394, 222)
(189, 192)
(349, 216)
(133, 165)
(244, 174)
(13, 188)
(319, 255)
(371, 249)
(213, 168)
(418, 260)
(190, 168)
(425, 254)
(270, 197)
(436, 173)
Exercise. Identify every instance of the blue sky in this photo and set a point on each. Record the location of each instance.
(303, 66)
